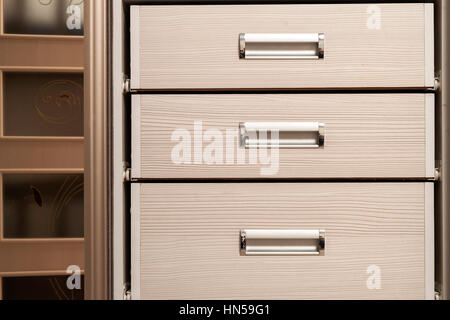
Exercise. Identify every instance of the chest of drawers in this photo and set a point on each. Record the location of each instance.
(362, 46)
(189, 245)
(282, 151)
(326, 136)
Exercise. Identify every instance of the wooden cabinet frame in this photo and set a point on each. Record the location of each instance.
(41, 255)
(93, 59)
(56, 54)
(442, 14)
(442, 203)
(97, 175)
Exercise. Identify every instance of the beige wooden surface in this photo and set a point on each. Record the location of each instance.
(196, 47)
(189, 248)
(97, 208)
(34, 51)
(47, 153)
(35, 256)
(367, 135)
(429, 242)
(30, 155)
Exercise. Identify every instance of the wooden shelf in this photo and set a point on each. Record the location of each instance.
(41, 51)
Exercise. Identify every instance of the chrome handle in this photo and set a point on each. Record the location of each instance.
(283, 46)
(282, 242)
(294, 135)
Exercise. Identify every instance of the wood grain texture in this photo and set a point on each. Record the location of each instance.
(189, 247)
(367, 135)
(136, 137)
(196, 47)
(429, 45)
(430, 148)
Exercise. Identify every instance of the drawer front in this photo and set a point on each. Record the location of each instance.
(255, 46)
(363, 136)
(378, 241)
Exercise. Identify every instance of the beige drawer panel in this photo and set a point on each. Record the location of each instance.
(185, 241)
(365, 46)
(366, 136)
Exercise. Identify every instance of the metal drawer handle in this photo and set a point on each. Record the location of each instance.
(282, 242)
(294, 135)
(281, 46)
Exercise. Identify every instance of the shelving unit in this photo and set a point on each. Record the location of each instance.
(38, 155)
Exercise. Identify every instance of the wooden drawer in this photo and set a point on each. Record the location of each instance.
(378, 241)
(365, 136)
(364, 46)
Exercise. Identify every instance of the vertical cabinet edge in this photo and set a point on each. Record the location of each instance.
(136, 136)
(429, 241)
(135, 47)
(430, 135)
(135, 241)
(429, 45)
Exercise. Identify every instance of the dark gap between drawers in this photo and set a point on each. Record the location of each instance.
(286, 91)
(286, 180)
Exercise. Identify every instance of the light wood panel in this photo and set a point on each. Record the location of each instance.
(42, 51)
(41, 154)
(196, 47)
(430, 147)
(429, 44)
(429, 242)
(367, 135)
(187, 244)
(36, 256)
